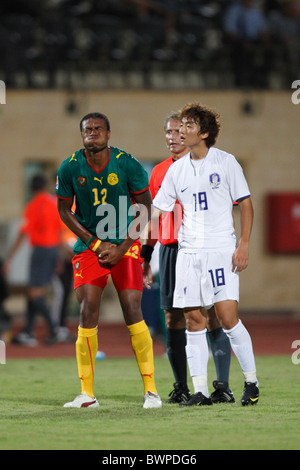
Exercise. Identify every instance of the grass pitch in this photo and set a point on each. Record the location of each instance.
(32, 415)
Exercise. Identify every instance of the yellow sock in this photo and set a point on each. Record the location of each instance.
(142, 346)
(86, 350)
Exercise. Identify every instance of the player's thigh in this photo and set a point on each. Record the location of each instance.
(130, 301)
(87, 270)
(127, 277)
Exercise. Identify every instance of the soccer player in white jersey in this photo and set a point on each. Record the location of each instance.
(206, 182)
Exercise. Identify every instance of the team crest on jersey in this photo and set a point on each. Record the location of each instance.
(76, 265)
(214, 180)
(112, 179)
(81, 180)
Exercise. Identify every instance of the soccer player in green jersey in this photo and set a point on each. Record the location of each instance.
(106, 184)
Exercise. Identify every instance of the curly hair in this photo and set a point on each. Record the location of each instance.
(207, 119)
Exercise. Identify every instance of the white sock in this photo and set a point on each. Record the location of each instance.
(197, 357)
(241, 344)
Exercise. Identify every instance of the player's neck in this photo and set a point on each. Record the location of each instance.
(97, 159)
(199, 152)
(177, 156)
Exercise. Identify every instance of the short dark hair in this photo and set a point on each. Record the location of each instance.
(95, 116)
(38, 182)
(207, 118)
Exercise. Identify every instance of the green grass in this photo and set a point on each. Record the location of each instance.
(32, 417)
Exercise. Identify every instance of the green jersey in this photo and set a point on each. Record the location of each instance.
(103, 198)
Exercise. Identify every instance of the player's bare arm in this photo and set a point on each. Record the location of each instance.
(64, 207)
(113, 254)
(152, 230)
(241, 254)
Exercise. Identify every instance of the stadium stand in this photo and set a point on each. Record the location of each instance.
(45, 44)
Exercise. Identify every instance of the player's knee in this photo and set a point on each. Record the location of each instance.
(89, 313)
(175, 319)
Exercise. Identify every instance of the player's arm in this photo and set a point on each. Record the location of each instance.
(241, 254)
(114, 254)
(64, 207)
(149, 241)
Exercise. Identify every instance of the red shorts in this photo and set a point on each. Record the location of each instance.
(127, 274)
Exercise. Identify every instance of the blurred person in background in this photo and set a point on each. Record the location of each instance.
(246, 31)
(284, 24)
(42, 226)
(62, 284)
(169, 225)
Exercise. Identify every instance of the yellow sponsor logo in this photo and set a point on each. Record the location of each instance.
(112, 179)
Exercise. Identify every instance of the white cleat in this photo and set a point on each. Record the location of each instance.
(82, 401)
(152, 400)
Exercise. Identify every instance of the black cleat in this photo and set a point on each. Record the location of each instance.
(250, 394)
(222, 393)
(180, 394)
(198, 399)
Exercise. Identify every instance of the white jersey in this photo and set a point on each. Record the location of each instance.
(206, 189)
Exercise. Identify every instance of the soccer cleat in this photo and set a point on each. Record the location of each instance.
(222, 393)
(198, 399)
(180, 394)
(152, 400)
(25, 340)
(82, 401)
(250, 394)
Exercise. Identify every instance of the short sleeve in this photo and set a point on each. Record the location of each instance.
(138, 180)
(64, 188)
(238, 185)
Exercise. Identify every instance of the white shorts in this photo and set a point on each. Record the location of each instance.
(202, 279)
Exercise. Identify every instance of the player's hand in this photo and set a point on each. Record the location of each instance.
(147, 275)
(110, 254)
(102, 249)
(240, 257)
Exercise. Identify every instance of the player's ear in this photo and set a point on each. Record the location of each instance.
(204, 135)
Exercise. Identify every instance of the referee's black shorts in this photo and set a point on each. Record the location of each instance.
(167, 264)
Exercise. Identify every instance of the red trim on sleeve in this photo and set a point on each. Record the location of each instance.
(60, 197)
(139, 192)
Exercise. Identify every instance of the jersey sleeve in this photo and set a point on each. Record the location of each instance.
(166, 196)
(64, 188)
(138, 181)
(238, 185)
